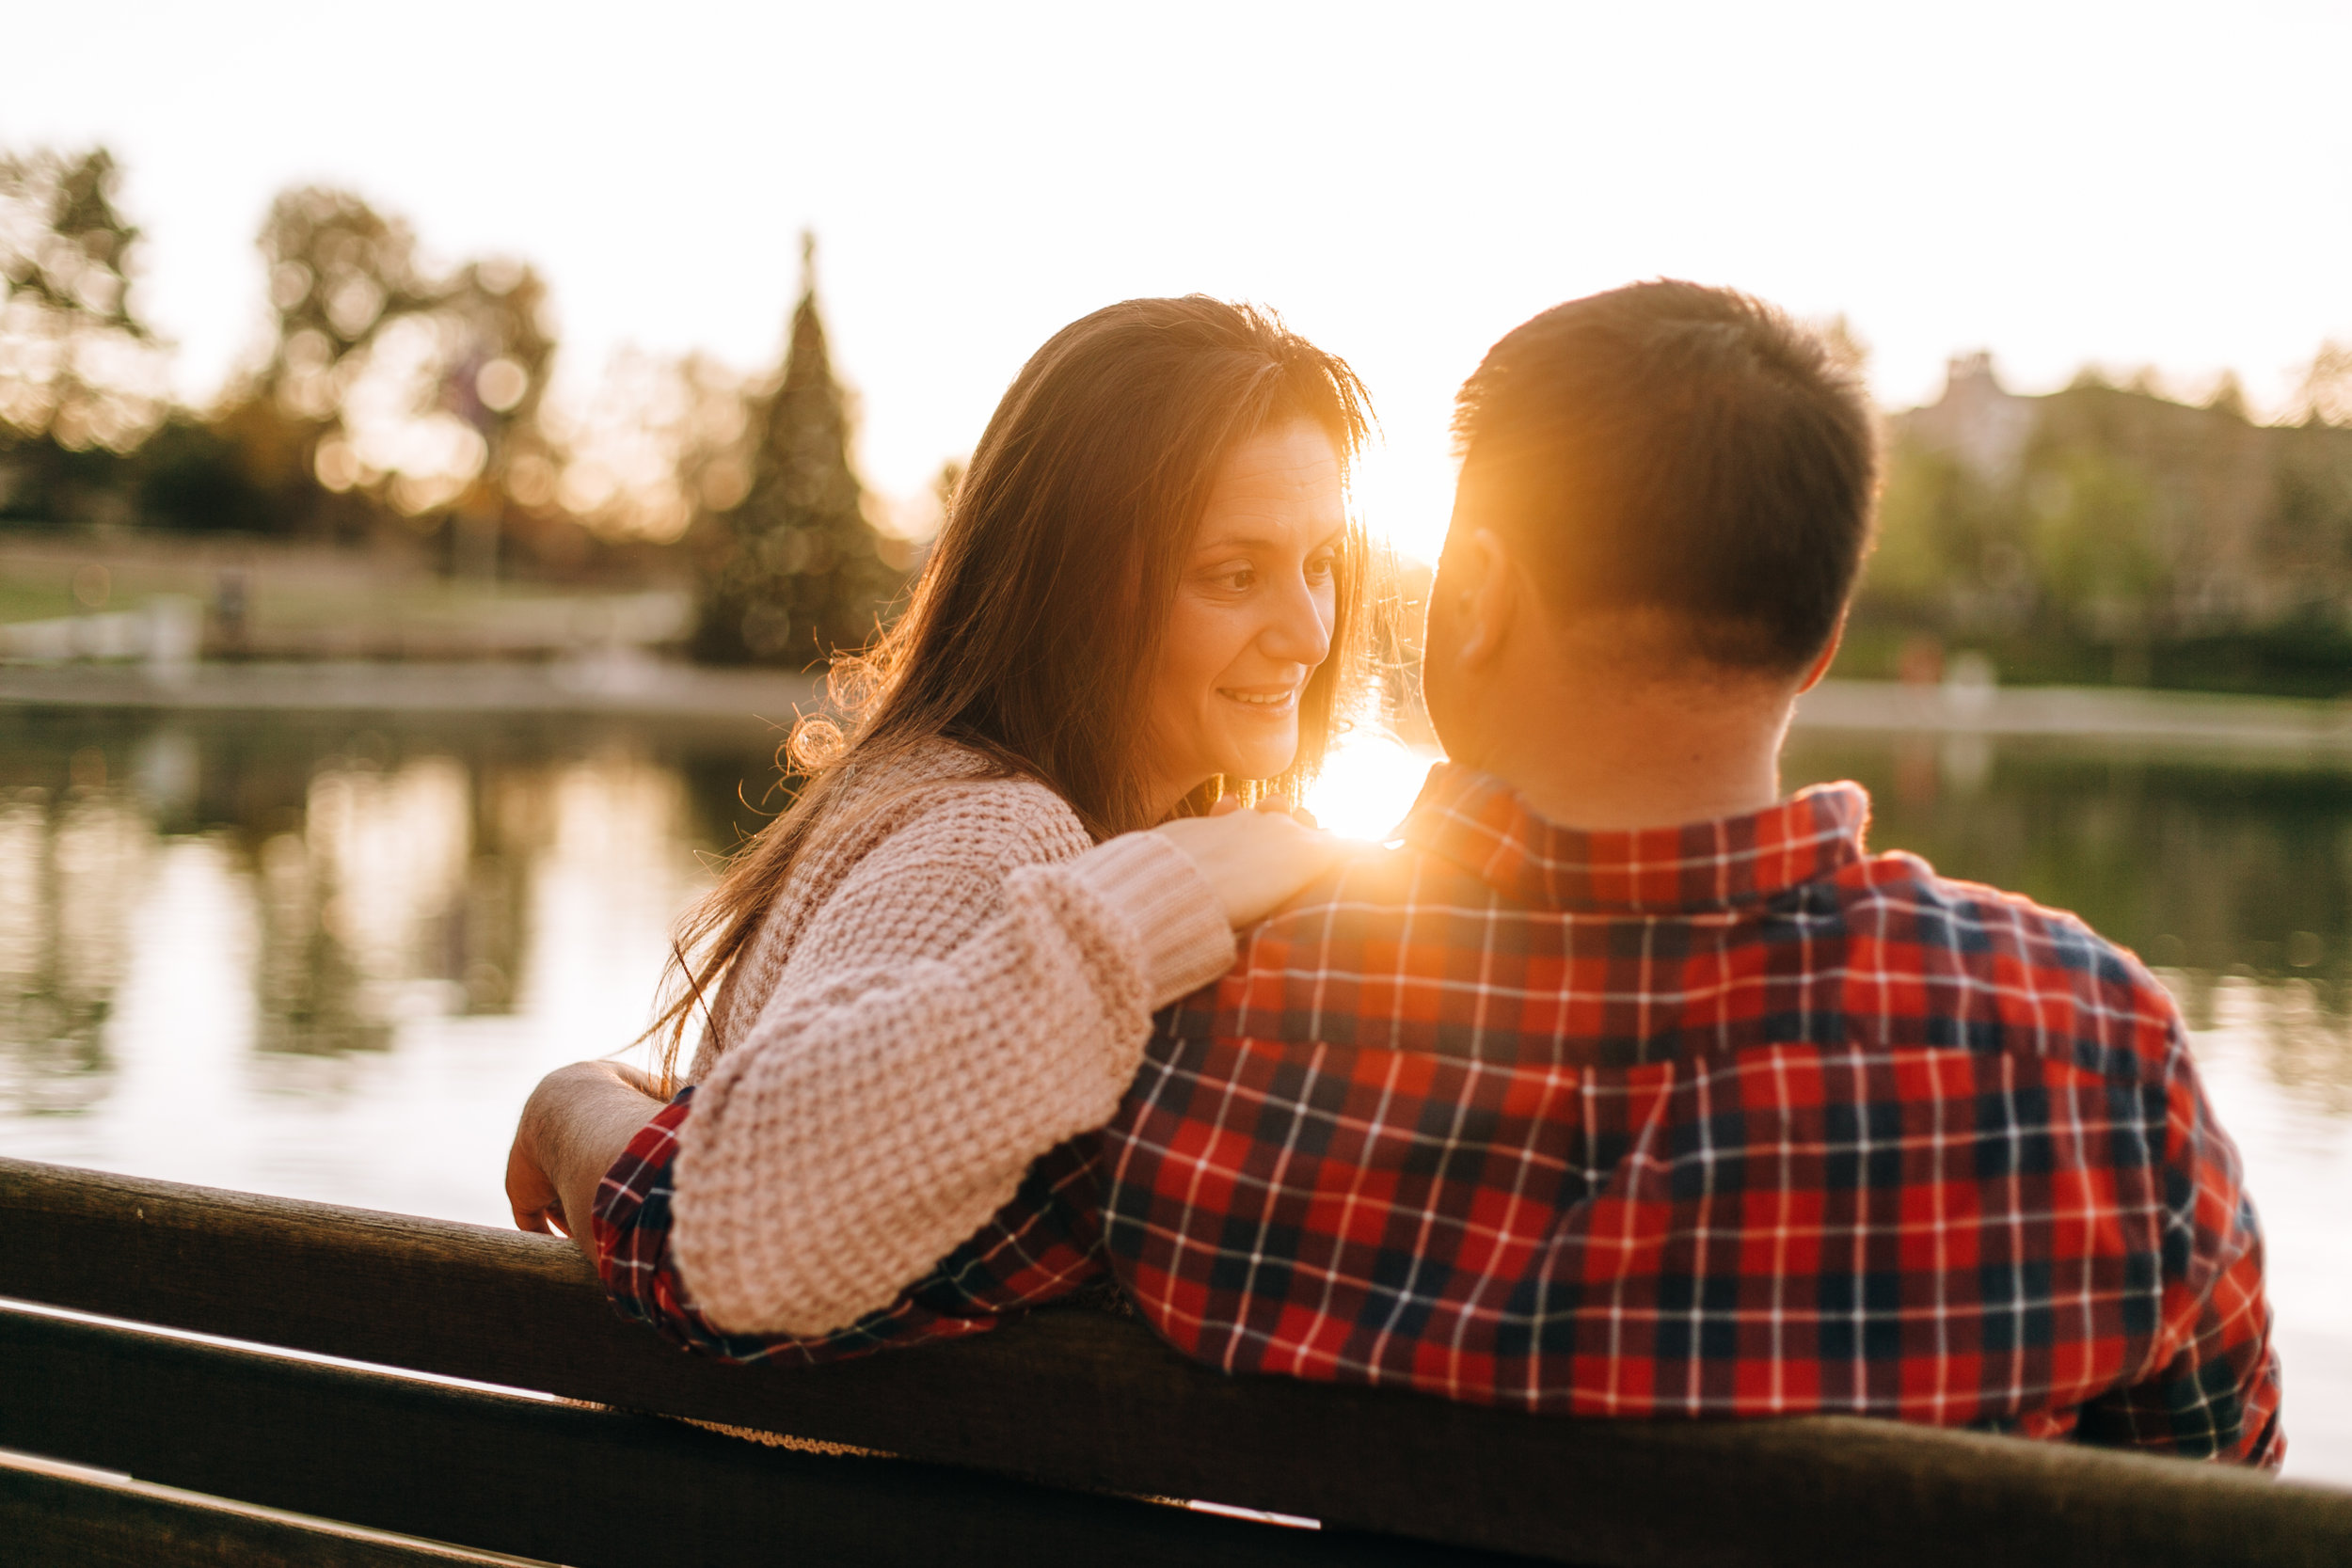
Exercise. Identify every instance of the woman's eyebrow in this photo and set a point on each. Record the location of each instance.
(1258, 541)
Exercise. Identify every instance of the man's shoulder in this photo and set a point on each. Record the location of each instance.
(1896, 896)
(1401, 891)
(1883, 952)
(2041, 976)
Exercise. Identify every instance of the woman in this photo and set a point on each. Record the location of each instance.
(1147, 592)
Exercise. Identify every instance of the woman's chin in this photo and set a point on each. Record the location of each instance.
(1260, 762)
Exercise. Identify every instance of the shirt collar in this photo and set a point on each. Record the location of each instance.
(1481, 824)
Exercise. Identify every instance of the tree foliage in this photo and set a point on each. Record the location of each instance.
(2325, 395)
(2133, 537)
(77, 365)
(793, 571)
(81, 375)
(417, 389)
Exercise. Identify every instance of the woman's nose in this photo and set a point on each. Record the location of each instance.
(1299, 631)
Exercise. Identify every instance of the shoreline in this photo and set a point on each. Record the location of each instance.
(645, 688)
(2171, 719)
(613, 687)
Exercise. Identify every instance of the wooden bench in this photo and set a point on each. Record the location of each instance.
(203, 1342)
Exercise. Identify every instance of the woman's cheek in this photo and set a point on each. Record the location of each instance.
(1213, 642)
(1203, 634)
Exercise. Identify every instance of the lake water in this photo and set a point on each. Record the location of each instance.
(327, 957)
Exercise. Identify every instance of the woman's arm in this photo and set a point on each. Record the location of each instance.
(940, 1026)
(1038, 1248)
(876, 1109)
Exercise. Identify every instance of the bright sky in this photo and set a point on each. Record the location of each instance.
(2130, 184)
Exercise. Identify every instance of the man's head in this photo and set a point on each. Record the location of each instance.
(1663, 487)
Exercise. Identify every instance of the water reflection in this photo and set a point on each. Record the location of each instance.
(327, 956)
(71, 863)
(390, 875)
(228, 949)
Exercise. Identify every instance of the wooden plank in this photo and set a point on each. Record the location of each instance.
(1089, 1401)
(62, 1522)
(588, 1486)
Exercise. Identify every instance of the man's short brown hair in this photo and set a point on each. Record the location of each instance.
(1676, 447)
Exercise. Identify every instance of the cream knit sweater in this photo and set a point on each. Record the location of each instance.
(952, 982)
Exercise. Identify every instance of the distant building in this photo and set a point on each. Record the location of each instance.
(1977, 420)
(2132, 515)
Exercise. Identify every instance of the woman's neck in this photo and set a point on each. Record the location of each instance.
(1166, 799)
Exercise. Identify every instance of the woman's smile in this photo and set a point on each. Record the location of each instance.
(1279, 701)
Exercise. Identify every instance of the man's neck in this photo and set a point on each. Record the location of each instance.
(1656, 759)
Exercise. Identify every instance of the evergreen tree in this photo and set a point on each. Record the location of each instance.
(793, 571)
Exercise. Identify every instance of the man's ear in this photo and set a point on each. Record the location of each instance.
(1487, 589)
(1828, 657)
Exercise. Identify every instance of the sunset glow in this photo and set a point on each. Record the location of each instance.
(2097, 184)
(1368, 783)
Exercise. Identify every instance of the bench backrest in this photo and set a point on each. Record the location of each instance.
(1037, 1438)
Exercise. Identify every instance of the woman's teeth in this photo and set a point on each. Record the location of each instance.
(1262, 699)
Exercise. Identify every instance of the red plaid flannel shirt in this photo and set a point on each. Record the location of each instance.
(1725, 1120)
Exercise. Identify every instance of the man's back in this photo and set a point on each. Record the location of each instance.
(1723, 1120)
(1719, 1119)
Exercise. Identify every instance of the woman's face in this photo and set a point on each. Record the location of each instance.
(1252, 618)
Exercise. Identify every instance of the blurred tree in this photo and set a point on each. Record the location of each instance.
(794, 572)
(2313, 518)
(2325, 395)
(1939, 524)
(2229, 397)
(194, 476)
(336, 269)
(397, 390)
(491, 326)
(2093, 542)
(2134, 538)
(659, 443)
(81, 375)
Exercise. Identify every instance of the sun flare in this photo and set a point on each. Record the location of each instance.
(1368, 783)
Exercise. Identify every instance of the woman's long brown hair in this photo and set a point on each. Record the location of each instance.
(1032, 633)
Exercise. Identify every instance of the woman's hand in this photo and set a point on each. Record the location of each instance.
(574, 1126)
(1257, 859)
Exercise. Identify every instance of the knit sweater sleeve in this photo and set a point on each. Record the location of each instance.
(953, 1011)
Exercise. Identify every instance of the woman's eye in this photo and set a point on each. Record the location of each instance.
(1238, 579)
(1321, 567)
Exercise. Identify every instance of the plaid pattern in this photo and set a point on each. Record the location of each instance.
(1725, 1120)
(1041, 1246)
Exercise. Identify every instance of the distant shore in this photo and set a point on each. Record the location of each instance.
(618, 687)
(2189, 719)
(644, 688)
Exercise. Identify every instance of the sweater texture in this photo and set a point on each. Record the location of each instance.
(953, 979)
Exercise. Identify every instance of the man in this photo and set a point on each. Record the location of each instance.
(1625, 1087)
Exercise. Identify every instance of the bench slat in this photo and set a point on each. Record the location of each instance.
(60, 1522)
(1086, 1399)
(592, 1487)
